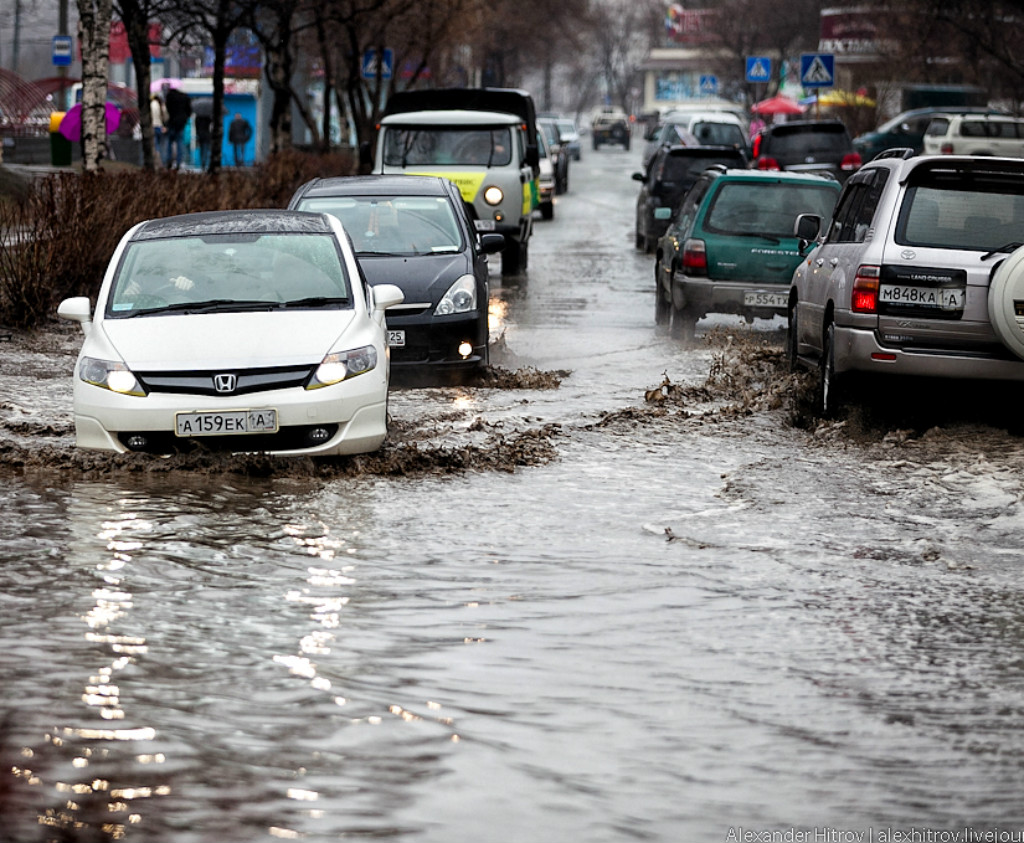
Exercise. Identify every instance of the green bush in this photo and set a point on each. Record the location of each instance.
(56, 241)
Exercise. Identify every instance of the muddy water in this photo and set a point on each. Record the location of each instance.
(684, 615)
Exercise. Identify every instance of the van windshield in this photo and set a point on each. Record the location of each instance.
(446, 145)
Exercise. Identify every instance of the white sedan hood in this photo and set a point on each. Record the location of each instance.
(227, 340)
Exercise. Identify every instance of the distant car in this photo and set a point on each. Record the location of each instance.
(666, 134)
(730, 248)
(570, 137)
(546, 181)
(414, 232)
(557, 151)
(905, 130)
(233, 330)
(610, 126)
(919, 273)
(975, 134)
(671, 172)
(715, 128)
(810, 146)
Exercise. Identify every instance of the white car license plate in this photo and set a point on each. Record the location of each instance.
(226, 423)
(396, 339)
(484, 225)
(760, 298)
(942, 298)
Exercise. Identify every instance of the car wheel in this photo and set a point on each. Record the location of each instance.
(639, 240)
(684, 324)
(650, 244)
(511, 257)
(662, 306)
(547, 210)
(791, 342)
(829, 393)
(625, 143)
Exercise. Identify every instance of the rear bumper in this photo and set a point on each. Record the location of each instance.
(858, 350)
(703, 295)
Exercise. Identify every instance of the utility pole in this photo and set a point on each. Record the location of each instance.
(16, 46)
(62, 72)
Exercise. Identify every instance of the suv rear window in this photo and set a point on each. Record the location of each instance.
(823, 137)
(977, 211)
(771, 208)
(718, 134)
(686, 168)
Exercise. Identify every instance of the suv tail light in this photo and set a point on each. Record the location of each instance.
(864, 298)
(755, 150)
(695, 257)
(851, 161)
(946, 149)
(767, 163)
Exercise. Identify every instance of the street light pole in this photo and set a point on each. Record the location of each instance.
(62, 71)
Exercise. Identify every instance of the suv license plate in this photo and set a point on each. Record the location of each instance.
(764, 299)
(941, 298)
(226, 423)
(396, 339)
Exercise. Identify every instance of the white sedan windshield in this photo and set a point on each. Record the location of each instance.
(173, 273)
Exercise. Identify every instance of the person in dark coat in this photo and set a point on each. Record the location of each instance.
(203, 110)
(179, 110)
(239, 134)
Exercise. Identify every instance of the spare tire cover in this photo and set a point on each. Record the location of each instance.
(1006, 302)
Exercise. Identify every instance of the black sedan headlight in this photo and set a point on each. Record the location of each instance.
(460, 297)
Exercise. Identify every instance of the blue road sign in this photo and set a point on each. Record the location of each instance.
(369, 66)
(62, 47)
(818, 70)
(759, 69)
(709, 85)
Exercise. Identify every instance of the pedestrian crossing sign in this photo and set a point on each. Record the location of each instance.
(759, 69)
(817, 70)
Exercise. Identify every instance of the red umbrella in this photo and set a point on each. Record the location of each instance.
(71, 123)
(778, 104)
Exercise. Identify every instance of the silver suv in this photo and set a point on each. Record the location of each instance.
(918, 273)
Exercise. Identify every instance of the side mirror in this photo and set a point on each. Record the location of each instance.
(492, 243)
(806, 228)
(78, 310)
(639, 177)
(387, 295)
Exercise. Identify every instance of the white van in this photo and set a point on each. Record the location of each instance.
(482, 139)
(975, 134)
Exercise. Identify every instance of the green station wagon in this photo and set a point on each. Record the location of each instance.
(730, 247)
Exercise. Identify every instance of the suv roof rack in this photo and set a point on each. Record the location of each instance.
(903, 152)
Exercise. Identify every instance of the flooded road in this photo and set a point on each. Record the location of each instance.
(685, 619)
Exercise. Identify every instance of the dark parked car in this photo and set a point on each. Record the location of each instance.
(414, 232)
(906, 130)
(558, 152)
(671, 172)
(810, 146)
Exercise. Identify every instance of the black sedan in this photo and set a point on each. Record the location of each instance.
(414, 232)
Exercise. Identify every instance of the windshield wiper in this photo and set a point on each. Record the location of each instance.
(316, 301)
(1009, 247)
(210, 306)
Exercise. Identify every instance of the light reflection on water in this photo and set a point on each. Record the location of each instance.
(381, 657)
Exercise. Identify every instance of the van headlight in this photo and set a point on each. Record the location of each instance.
(493, 196)
(109, 374)
(460, 297)
(341, 365)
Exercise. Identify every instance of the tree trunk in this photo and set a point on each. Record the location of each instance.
(94, 18)
(137, 28)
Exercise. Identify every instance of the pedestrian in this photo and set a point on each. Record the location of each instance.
(239, 134)
(158, 114)
(204, 134)
(179, 110)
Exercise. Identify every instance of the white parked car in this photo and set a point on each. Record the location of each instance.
(233, 330)
(975, 134)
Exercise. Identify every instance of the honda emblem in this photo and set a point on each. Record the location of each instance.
(225, 383)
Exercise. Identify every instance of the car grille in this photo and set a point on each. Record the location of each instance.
(191, 382)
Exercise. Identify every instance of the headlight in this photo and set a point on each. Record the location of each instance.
(460, 298)
(109, 374)
(493, 196)
(336, 367)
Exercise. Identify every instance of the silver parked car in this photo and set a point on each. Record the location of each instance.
(920, 272)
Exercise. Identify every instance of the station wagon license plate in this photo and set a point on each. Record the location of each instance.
(760, 298)
(396, 339)
(941, 298)
(226, 423)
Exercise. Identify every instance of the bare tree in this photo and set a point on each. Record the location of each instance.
(94, 19)
(622, 35)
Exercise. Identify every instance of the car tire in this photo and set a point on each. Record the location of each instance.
(547, 210)
(684, 324)
(662, 306)
(792, 351)
(828, 396)
(512, 257)
(1006, 289)
(638, 239)
(649, 245)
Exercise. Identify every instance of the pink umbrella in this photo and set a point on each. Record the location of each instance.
(777, 105)
(71, 123)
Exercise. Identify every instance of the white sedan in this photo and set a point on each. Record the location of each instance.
(233, 330)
